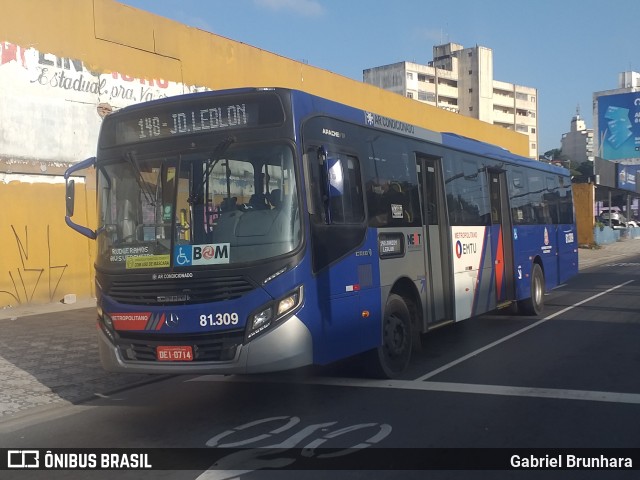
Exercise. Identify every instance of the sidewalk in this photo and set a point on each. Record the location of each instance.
(49, 357)
(610, 253)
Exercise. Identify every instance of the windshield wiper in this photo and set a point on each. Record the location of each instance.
(216, 155)
(144, 187)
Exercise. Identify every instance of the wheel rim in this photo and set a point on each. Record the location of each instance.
(537, 290)
(395, 337)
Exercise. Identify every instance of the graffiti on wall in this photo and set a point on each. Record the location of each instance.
(32, 275)
(28, 68)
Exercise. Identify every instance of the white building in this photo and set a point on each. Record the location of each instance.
(461, 80)
(577, 144)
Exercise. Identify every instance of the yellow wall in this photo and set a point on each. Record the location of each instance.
(110, 36)
(584, 199)
(41, 259)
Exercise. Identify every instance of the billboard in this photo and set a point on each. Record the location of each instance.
(619, 126)
(627, 177)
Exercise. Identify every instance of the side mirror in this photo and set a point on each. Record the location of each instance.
(70, 197)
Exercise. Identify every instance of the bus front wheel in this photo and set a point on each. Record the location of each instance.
(535, 303)
(391, 358)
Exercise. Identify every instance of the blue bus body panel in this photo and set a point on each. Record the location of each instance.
(186, 319)
(567, 252)
(341, 293)
(555, 246)
(183, 319)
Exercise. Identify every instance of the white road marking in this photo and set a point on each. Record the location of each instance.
(559, 394)
(554, 393)
(515, 334)
(421, 384)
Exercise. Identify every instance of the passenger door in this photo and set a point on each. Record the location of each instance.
(501, 237)
(438, 282)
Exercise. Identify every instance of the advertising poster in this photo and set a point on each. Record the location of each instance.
(619, 126)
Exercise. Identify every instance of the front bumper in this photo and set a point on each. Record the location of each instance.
(285, 347)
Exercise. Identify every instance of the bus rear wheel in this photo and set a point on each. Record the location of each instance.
(391, 358)
(534, 305)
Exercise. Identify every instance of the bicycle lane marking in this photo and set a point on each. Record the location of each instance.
(449, 365)
(254, 456)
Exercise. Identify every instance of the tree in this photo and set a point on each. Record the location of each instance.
(553, 155)
(584, 172)
(580, 172)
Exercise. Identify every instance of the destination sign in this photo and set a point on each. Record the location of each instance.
(206, 114)
(390, 245)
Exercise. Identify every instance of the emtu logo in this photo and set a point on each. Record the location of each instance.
(458, 249)
(465, 249)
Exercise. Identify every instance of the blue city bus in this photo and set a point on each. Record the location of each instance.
(256, 230)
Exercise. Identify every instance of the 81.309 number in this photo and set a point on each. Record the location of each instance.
(218, 319)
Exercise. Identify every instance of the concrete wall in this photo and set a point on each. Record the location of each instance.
(64, 64)
(606, 235)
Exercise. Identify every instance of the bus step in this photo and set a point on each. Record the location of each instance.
(506, 304)
(439, 324)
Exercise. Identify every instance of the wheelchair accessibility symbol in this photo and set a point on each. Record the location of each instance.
(183, 256)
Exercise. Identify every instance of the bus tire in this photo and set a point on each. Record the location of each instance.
(534, 305)
(391, 359)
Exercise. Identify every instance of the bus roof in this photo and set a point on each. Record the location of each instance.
(449, 139)
(477, 147)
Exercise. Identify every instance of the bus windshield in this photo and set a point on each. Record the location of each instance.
(236, 203)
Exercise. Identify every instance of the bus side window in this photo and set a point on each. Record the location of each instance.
(552, 197)
(467, 193)
(334, 194)
(316, 190)
(536, 202)
(345, 204)
(391, 187)
(520, 209)
(565, 205)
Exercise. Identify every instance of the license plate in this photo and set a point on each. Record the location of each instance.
(182, 353)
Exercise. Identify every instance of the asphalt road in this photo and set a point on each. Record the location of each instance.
(569, 379)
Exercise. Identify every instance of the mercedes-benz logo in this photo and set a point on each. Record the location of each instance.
(172, 320)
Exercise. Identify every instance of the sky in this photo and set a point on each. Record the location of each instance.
(566, 49)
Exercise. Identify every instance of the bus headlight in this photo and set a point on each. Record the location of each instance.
(272, 313)
(108, 321)
(105, 324)
(262, 318)
(289, 303)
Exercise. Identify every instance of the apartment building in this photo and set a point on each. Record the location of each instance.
(577, 144)
(461, 80)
